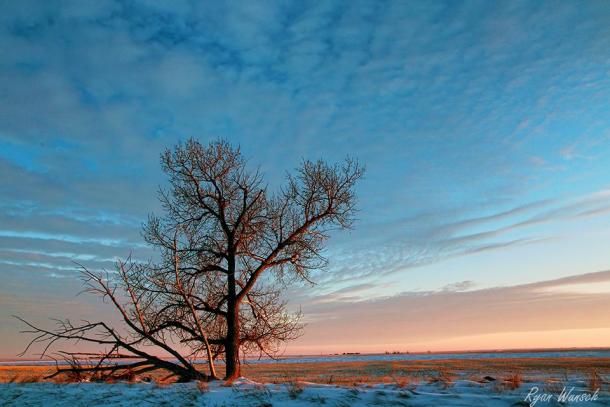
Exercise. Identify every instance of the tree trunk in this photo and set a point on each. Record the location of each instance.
(232, 341)
(232, 345)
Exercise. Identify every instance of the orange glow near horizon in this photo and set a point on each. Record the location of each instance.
(553, 339)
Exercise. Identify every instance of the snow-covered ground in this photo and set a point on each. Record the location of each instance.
(247, 393)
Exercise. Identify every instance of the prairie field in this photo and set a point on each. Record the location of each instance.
(349, 373)
(450, 382)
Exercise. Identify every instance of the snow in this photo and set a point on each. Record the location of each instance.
(245, 392)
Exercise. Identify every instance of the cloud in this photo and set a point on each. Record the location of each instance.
(427, 317)
(388, 248)
(459, 286)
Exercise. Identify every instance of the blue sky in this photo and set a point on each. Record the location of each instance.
(484, 126)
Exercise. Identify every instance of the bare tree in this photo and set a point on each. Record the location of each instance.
(149, 327)
(227, 249)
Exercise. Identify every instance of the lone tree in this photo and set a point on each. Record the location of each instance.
(227, 249)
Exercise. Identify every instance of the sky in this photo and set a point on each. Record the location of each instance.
(484, 216)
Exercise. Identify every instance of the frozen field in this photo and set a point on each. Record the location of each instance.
(248, 393)
(594, 353)
(449, 382)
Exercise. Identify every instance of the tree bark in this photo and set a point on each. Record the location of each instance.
(232, 345)
(233, 370)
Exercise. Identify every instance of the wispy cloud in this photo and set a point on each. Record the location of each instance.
(413, 319)
(391, 248)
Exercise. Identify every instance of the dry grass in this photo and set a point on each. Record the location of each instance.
(514, 381)
(202, 386)
(295, 389)
(594, 381)
(162, 383)
(400, 373)
(554, 386)
(24, 379)
(401, 382)
(443, 377)
(346, 373)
